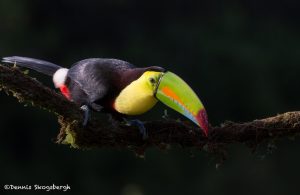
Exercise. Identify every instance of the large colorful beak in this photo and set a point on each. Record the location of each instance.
(176, 94)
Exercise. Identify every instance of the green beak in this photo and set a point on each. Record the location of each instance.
(176, 94)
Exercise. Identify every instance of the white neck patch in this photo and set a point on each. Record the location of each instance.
(60, 77)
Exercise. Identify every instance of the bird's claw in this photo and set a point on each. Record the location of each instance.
(86, 111)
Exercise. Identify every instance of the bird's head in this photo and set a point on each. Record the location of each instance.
(174, 92)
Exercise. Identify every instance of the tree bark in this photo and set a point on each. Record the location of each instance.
(162, 133)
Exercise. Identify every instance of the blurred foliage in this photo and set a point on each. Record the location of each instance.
(241, 57)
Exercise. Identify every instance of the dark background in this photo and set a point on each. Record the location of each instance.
(241, 57)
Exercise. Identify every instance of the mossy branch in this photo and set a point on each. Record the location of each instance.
(161, 133)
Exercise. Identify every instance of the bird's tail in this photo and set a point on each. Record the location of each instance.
(41, 66)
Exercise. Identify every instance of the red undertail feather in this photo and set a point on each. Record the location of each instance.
(65, 91)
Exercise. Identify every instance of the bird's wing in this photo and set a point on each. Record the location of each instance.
(97, 76)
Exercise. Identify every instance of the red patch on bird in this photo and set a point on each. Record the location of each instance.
(65, 91)
(203, 121)
(113, 105)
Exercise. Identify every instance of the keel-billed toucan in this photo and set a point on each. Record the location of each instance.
(118, 87)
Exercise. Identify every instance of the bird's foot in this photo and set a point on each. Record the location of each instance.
(140, 125)
(86, 111)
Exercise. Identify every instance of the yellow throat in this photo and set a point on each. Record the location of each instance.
(138, 96)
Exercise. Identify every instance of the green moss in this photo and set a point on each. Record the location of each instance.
(70, 138)
(10, 92)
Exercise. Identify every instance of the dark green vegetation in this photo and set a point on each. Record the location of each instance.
(241, 58)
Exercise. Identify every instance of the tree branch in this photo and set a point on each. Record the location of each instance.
(100, 133)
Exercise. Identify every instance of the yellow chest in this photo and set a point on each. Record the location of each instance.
(135, 99)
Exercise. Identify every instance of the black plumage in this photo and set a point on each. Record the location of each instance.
(97, 81)
(94, 82)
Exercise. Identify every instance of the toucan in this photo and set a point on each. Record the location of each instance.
(120, 88)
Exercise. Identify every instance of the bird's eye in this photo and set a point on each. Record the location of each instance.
(152, 80)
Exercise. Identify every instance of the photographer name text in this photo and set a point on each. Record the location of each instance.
(37, 187)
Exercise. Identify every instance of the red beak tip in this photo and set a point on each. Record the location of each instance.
(203, 121)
